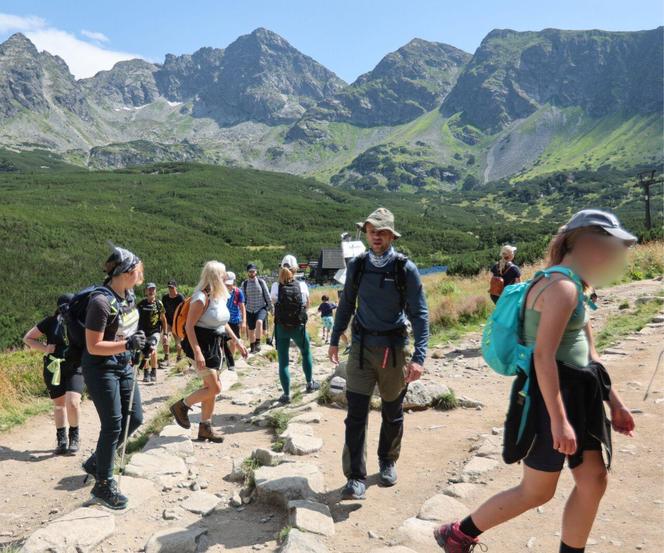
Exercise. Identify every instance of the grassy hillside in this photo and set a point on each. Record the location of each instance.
(54, 225)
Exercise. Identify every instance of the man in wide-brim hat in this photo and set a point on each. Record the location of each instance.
(384, 291)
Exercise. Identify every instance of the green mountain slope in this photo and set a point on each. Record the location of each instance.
(54, 224)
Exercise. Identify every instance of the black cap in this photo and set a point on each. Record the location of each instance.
(252, 267)
(172, 283)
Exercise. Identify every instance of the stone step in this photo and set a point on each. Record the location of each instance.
(288, 481)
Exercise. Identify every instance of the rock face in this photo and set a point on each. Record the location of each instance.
(289, 481)
(513, 73)
(129, 83)
(404, 85)
(80, 530)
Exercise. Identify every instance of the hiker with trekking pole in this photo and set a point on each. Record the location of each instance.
(201, 321)
(62, 375)
(540, 333)
(384, 291)
(291, 299)
(109, 318)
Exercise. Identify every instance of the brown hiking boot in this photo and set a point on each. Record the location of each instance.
(206, 432)
(180, 411)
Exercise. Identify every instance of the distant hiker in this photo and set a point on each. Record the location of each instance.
(326, 310)
(291, 299)
(258, 304)
(207, 320)
(238, 312)
(504, 273)
(62, 375)
(111, 335)
(152, 321)
(568, 385)
(171, 300)
(384, 291)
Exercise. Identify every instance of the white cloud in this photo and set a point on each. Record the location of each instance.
(84, 58)
(94, 35)
(12, 23)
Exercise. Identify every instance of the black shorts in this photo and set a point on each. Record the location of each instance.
(235, 327)
(210, 342)
(252, 318)
(71, 380)
(542, 456)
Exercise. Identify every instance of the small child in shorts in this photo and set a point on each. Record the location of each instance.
(326, 310)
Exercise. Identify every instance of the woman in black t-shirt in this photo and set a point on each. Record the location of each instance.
(62, 375)
(111, 335)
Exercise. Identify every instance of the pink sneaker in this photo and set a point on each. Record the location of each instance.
(453, 540)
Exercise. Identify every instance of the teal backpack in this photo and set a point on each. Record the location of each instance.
(502, 345)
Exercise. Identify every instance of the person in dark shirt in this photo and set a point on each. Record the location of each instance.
(62, 375)
(326, 310)
(384, 292)
(171, 300)
(506, 270)
(152, 321)
(111, 336)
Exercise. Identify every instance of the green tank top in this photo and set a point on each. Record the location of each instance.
(574, 348)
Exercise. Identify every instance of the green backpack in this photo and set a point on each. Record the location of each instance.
(502, 344)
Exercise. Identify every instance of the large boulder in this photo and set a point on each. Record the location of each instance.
(177, 540)
(302, 542)
(422, 394)
(337, 390)
(288, 481)
(311, 516)
(81, 531)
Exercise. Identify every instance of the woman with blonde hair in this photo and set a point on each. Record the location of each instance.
(568, 391)
(291, 299)
(504, 273)
(207, 322)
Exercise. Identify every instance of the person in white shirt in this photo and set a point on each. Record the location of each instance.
(291, 299)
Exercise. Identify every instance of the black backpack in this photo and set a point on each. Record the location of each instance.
(290, 310)
(398, 274)
(76, 312)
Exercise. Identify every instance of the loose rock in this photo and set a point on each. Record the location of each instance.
(311, 516)
(440, 508)
(287, 482)
(301, 542)
(176, 540)
(202, 503)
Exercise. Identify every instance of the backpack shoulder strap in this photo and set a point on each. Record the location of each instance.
(400, 277)
(265, 291)
(360, 265)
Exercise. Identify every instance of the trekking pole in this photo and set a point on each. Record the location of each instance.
(126, 428)
(659, 360)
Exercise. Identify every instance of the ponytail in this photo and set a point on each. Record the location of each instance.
(285, 275)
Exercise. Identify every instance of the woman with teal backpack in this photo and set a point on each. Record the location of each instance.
(568, 386)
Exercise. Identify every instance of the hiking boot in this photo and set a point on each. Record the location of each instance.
(252, 347)
(258, 346)
(346, 351)
(312, 386)
(166, 358)
(153, 376)
(269, 341)
(107, 493)
(284, 399)
(90, 467)
(388, 473)
(206, 432)
(61, 437)
(453, 540)
(74, 440)
(180, 411)
(146, 376)
(178, 358)
(354, 489)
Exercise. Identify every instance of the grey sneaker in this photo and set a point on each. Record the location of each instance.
(354, 489)
(312, 386)
(284, 399)
(388, 473)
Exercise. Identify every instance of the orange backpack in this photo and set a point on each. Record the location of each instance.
(180, 317)
(496, 286)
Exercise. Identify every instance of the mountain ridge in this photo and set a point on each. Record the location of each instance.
(427, 115)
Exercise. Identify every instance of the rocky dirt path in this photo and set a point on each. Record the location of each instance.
(190, 496)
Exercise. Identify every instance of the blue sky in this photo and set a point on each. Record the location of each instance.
(348, 36)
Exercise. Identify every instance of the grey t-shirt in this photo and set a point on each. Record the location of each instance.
(216, 315)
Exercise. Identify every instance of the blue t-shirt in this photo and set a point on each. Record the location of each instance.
(326, 309)
(235, 300)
